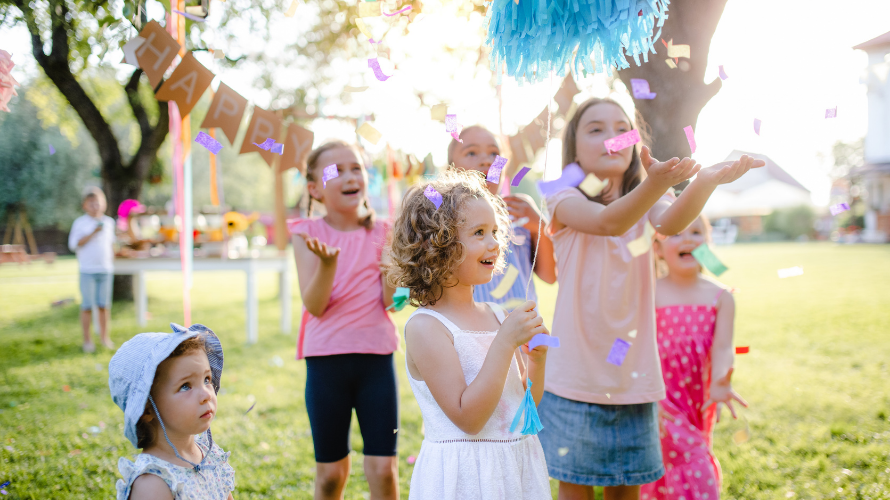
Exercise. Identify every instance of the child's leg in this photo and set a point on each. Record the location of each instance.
(570, 491)
(377, 410)
(87, 295)
(621, 493)
(383, 477)
(103, 300)
(330, 479)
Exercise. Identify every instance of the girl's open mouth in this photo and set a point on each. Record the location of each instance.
(350, 192)
(487, 262)
(686, 255)
(208, 414)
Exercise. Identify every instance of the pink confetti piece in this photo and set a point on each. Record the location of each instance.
(757, 123)
(411, 459)
(375, 66)
(690, 137)
(52, 150)
(266, 145)
(210, 143)
(831, 112)
(723, 75)
(620, 142)
(277, 148)
(190, 16)
(494, 171)
(640, 89)
(840, 207)
(618, 352)
(433, 195)
(519, 176)
(406, 9)
(543, 339)
(452, 127)
(571, 176)
(329, 172)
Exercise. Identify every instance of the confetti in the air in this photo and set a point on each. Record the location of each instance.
(742, 350)
(840, 207)
(452, 127)
(329, 172)
(370, 133)
(757, 123)
(706, 257)
(212, 144)
(519, 176)
(831, 112)
(292, 9)
(52, 150)
(618, 352)
(563, 452)
(592, 185)
(433, 195)
(622, 141)
(790, 272)
(375, 66)
(723, 75)
(494, 171)
(543, 339)
(640, 89)
(266, 145)
(690, 137)
(400, 299)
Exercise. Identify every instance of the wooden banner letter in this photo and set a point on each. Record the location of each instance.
(186, 85)
(156, 52)
(263, 125)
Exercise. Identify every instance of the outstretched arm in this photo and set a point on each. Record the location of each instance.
(316, 267)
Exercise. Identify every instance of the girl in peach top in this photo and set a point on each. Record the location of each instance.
(599, 406)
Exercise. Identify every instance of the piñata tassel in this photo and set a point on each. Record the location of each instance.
(532, 423)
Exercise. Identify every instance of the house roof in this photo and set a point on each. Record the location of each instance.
(757, 176)
(870, 168)
(880, 41)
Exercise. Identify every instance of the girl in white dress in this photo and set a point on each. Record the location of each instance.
(467, 363)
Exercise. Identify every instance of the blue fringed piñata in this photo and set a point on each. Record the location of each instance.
(533, 37)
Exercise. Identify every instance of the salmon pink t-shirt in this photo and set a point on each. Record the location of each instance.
(355, 320)
(604, 294)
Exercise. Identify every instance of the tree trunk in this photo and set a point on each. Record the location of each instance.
(122, 288)
(682, 92)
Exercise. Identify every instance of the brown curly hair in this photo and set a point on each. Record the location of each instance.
(312, 165)
(425, 242)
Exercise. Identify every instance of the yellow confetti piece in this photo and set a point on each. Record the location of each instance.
(292, 9)
(678, 50)
(512, 304)
(350, 88)
(632, 334)
(741, 436)
(218, 54)
(670, 64)
(363, 28)
(563, 452)
(506, 282)
(370, 133)
(642, 244)
(370, 9)
(438, 112)
(592, 186)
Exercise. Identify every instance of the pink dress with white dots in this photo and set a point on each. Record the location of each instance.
(685, 334)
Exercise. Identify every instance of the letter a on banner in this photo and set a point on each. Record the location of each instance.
(226, 112)
(156, 52)
(263, 125)
(186, 85)
(297, 144)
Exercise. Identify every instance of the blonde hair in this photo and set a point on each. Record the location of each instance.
(312, 165)
(425, 243)
(661, 267)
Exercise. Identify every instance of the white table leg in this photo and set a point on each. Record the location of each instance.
(284, 296)
(252, 305)
(140, 297)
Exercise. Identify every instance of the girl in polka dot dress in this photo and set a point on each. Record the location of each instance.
(694, 325)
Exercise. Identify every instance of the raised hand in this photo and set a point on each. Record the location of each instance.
(722, 393)
(521, 325)
(668, 173)
(726, 172)
(522, 205)
(328, 255)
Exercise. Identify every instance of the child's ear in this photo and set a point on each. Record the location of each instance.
(315, 190)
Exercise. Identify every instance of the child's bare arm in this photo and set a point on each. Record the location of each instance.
(316, 266)
(150, 487)
(537, 358)
(722, 357)
(388, 290)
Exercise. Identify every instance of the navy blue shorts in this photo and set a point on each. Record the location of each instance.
(334, 386)
(600, 445)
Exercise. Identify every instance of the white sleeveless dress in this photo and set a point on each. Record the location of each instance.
(494, 464)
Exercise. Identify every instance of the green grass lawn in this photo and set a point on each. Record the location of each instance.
(816, 378)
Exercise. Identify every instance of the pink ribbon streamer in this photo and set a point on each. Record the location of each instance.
(179, 203)
(406, 9)
(690, 137)
(375, 66)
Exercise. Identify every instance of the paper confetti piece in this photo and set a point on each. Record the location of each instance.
(831, 112)
(193, 17)
(840, 207)
(563, 451)
(641, 245)
(543, 339)
(370, 133)
(592, 185)
(251, 407)
(723, 75)
(329, 172)
(757, 123)
(52, 151)
(405, 9)
(632, 334)
(395, 431)
(66, 388)
(506, 282)
(640, 89)
(375, 66)
(742, 350)
(741, 436)
(130, 50)
(266, 145)
(572, 175)
(433, 195)
(670, 64)
(350, 88)
(277, 148)
(622, 141)
(292, 9)
(400, 299)
(370, 9)
(618, 352)
(452, 127)
(519, 176)
(218, 54)
(411, 459)
(208, 142)
(678, 50)
(690, 137)
(706, 257)
(790, 272)
(363, 27)
(494, 171)
(438, 112)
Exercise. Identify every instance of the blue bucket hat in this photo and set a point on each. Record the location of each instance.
(131, 372)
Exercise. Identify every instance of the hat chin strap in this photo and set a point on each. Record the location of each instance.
(197, 467)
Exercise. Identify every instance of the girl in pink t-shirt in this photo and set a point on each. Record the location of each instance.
(599, 409)
(347, 337)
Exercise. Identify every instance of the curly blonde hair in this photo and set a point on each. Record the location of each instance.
(425, 242)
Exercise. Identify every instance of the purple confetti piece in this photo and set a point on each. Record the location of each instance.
(452, 127)
(208, 142)
(267, 144)
(640, 89)
(52, 150)
(375, 66)
(618, 352)
(572, 175)
(4, 485)
(840, 207)
(723, 75)
(519, 176)
(543, 339)
(193, 17)
(690, 137)
(494, 171)
(831, 112)
(277, 148)
(406, 9)
(433, 195)
(622, 141)
(329, 172)
(251, 407)
(757, 123)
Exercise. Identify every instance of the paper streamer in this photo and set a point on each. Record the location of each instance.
(266, 145)
(690, 137)
(640, 89)
(723, 75)
(622, 141)
(706, 257)
(506, 282)
(433, 195)
(519, 176)
(592, 185)
(831, 112)
(757, 123)
(208, 142)
(370, 133)
(742, 350)
(543, 339)
(642, 244)
(190, 16)
(790, 272)
(375, 66)
(835, 209)
(618, 352)
(494, 171)
(292, 9)
(572, 175)
(329, 172)
(406, 9)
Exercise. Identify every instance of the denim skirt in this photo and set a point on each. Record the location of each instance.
(600, 445)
